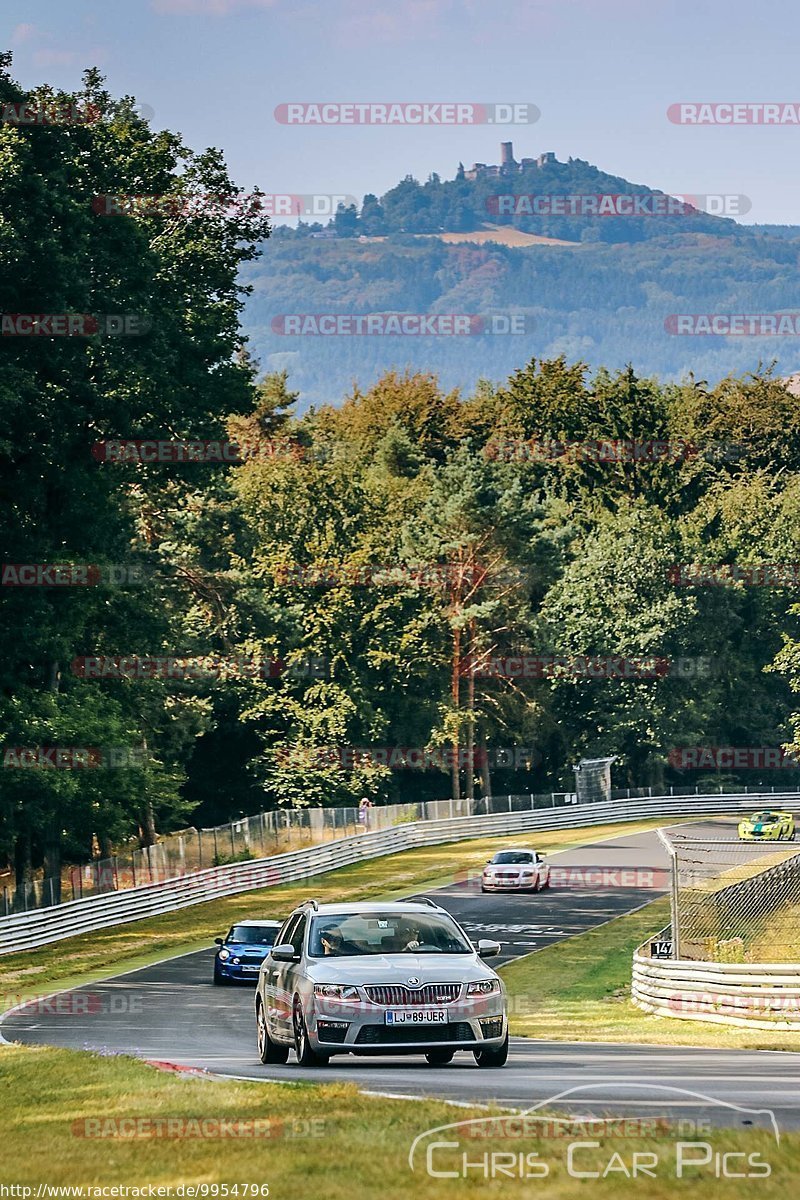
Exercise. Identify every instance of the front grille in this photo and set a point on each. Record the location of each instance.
(429, 993)
(398, 1035)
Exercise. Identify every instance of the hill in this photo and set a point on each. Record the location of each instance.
(601, 289)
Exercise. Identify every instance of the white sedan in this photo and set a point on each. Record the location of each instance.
(515, 871)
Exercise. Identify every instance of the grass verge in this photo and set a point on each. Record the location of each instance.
(82, 1120)
(579, 991)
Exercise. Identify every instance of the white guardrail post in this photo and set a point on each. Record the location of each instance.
(40, 927)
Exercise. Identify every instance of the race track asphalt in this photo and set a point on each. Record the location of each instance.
(172, 1012)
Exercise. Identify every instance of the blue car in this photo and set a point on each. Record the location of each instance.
(242, 952)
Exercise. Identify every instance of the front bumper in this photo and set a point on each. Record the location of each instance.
(750, 835)
(532, 884)
(361, 1029)
(238, 972)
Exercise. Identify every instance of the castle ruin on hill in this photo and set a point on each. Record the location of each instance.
(508, 164)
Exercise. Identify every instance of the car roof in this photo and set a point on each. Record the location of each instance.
(371, 907)
(257, 924)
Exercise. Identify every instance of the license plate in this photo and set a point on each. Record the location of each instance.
(254, 969)
(416, 1016)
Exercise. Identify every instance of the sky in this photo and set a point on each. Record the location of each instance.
(601, 72)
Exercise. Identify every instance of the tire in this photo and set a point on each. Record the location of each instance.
(219, 979)
(268, 1051)
(496, 1057)
(484, 890)
(439, 1058)
(306, 1057)
(546, 884)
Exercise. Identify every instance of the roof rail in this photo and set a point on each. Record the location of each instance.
(424, 900)
(313, 903)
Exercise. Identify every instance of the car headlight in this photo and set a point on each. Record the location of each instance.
(223, 954)
(483, 987)
(336, 991)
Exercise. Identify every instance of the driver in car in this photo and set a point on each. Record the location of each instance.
(413, 942)
(331, 941)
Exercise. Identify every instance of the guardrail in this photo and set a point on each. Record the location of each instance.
(39, 927)
(754, 995)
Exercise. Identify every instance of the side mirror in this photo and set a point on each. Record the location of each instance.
(219, 942)
(487, 949)
(284, 953)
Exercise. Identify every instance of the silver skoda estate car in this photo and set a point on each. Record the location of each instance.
(399, 978)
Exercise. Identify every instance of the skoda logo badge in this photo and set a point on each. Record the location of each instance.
(413, 981)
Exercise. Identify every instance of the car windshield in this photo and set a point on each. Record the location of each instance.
(506, 857)
(353, 934)
(765, 817)
(253, 935)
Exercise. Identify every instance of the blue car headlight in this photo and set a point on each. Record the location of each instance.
(223, 954)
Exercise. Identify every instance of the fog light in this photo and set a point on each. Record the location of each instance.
(332, 1031)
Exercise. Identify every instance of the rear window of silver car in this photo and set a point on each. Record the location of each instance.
(356, 934)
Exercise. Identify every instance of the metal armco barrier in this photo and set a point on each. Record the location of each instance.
(756, 995)
(40, 927)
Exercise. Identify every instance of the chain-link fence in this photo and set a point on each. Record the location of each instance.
(735, 901)
(277, 832)
(259, 836)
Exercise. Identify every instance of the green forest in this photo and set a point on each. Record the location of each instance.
(604, 304)
(391, 535)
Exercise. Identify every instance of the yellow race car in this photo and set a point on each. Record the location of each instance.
(767, 826)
